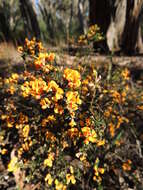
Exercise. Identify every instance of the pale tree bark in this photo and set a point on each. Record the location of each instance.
(131, 35)
(120, 22)
(81, 15)
(71, 17)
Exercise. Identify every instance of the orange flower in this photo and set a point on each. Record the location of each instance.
(73, 100)
(73, 78)
(58, 109)
(26, 130)
(49, 161)
(111, 129)
(70, 179)
(73, 132)
(125, 74)
(45, 103)
(127, 165)
(89, 134)
(20, 49)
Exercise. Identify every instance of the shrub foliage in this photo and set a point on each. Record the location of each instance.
(70, 127)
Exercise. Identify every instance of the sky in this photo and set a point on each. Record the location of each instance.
(36, 2)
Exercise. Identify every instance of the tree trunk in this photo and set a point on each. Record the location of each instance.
(70, 19)
(5, 28)
(119, 20)
(5, 21)
(30, 19)
(80, 16)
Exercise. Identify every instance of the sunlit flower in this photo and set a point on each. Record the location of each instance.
(112, 129)
(59, 185)
(49, 179)
(89, 134)
(73, 77)
(125, 74)
(127, 165)
(73, 100)
(49, 161)
(13, 164)
(20, 49)
(70, 179)
(98, 171)
(26, 130)
(58, 109)
(72, 123)
(50, 136)
(4, 151)
(101, 142)
(73, 132)
(45, 103)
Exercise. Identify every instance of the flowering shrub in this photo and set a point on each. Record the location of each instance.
(93, 35)
(68, 126)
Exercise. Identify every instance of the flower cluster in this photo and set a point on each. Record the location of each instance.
(67, 125)
(73, 78)
(93, 34)
(31, 47)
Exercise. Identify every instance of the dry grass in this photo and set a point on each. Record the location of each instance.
(8, 54)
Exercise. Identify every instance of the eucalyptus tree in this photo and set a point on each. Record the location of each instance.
(120, 21)
(31, 25)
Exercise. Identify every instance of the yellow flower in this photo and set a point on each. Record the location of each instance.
(72, 123)
(101, 142)
(52, 86)
(45, 103)
(51, 118)
(127, 165)
(50, 136)
(4, 151)
(50, 57)
(140, 107)
(70, 178)
(83, 157)
(22, 118)
(12, 166)
(14, 77)
(71, 170)
(58, 95)
(35, 88)
(97, 171)
(101, 170)
(116, 96)
(125, 74)
(11, 89)
(44, 122)
(73, 78)
(58, 109)
(25, 146)
(49, 179)
(73, 100)
(20, 49)
(10, 122)
(59, 185)
(112, 129)
(49, 161)
(107, 112)
(26, 130)
(65, 144)
(89, 134)
(3, 117)
(73, 132)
